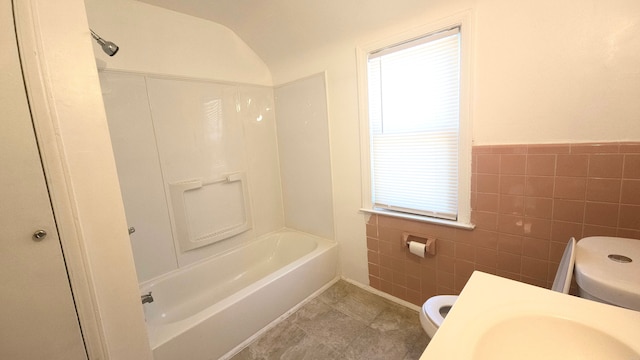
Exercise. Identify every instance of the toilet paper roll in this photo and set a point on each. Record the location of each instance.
(417, 248)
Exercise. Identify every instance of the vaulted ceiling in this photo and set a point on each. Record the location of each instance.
(279, 29)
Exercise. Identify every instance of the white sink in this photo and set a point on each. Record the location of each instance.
(547, 337)
(496, 318)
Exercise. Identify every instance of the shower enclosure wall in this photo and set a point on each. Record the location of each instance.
(204, 167)
(177, 143)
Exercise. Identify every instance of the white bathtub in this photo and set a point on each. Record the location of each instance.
(206, 310)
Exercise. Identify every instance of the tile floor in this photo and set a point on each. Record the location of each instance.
(343, 322)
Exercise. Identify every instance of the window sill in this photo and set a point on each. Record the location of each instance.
(425, 219)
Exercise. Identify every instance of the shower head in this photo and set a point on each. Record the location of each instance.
(107, 46)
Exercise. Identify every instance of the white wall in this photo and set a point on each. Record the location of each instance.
(543, 72)
(557, 71)
(159, 41)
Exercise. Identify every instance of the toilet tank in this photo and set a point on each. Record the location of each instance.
(607, 269)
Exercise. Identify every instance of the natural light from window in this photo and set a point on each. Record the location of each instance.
(414, 117)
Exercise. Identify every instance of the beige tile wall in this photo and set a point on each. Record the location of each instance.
(527, 201)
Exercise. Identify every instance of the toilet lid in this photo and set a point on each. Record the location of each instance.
(433, 305)
(602, 274)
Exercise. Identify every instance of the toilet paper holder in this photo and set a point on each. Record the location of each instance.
(428, 241)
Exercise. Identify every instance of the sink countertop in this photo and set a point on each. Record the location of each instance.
(496, 318)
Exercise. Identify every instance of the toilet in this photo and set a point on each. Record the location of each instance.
(608, 270)
(436, 308)
(433, 312)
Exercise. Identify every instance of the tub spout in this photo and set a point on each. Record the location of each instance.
(147, 298)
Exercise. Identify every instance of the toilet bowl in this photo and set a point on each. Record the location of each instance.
(436, 308)
(434, 311)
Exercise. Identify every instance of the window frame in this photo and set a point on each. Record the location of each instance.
(464, 21)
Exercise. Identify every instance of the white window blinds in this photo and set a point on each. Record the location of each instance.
(414, 115)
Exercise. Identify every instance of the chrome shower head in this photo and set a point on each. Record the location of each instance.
(107, 46)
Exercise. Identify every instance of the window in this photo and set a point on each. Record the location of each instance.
(418, 158)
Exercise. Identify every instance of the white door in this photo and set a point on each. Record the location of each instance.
(38, 318)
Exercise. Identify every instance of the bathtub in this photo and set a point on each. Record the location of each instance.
(206, 310)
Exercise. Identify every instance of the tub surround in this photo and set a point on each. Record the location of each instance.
(167, 131)
(171, 135)
(304, 155)
(527, 201)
